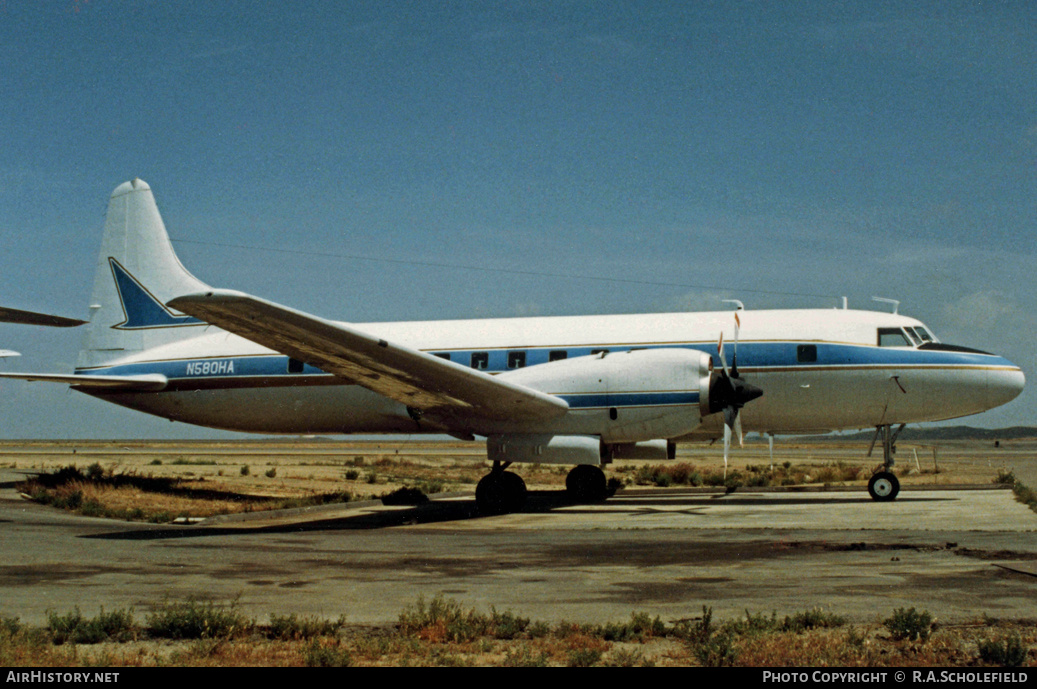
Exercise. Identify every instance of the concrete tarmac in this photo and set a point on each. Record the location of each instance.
(959, 554)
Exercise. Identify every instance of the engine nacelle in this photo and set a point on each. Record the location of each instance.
(540, 448)
(626, 397)
(657, 450)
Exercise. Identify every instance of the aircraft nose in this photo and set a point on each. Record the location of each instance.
(1004, 385)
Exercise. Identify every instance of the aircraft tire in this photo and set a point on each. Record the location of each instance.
(500, 492)
(586, 483)
(883, 487)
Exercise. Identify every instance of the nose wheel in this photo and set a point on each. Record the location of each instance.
(883, 486)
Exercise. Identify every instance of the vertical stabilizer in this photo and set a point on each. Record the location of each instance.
(137, 272)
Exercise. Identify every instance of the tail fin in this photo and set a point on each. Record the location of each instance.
(137, 273)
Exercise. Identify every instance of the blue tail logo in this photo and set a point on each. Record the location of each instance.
(141, 307)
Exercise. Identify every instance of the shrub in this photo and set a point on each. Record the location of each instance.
(405, 496)
(909, 624)
(194, 620)
(524, 657)
(318, 653)
(507, 625)
(584, 657)
(442, 620)
(1005, 477)
(1008, 652)
(293, 627)
(640, 627)
(716, 651)
(812, 619)
(74, 628)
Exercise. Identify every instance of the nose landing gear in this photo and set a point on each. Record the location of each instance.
(884, 486)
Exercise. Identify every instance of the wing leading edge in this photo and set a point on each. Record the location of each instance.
(423, 382)
(8, 315)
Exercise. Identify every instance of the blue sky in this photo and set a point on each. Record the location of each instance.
(785, 154)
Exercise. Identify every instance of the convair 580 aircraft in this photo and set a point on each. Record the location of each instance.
(581, 391)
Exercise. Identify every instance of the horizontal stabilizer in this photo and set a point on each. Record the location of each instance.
(5, 353)
(32, 318)
(149, 382)
(425, 383)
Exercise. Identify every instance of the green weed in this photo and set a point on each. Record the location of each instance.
(910, 625)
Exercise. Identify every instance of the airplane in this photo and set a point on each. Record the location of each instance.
(582, 391)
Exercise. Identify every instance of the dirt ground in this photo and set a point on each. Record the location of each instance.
(303, 467)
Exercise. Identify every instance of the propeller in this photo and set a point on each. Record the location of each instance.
(729, 393)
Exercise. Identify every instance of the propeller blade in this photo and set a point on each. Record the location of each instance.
(729, 393)
(734, 355)
(720, 351)
(727, 447)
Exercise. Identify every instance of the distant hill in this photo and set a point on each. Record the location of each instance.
(950, 433)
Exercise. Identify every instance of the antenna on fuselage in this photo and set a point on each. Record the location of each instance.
(894, 302)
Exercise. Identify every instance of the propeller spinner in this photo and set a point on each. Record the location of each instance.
(729, 393)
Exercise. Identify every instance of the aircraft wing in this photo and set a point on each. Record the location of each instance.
(146, 382)
(32, 318)
(423, 382)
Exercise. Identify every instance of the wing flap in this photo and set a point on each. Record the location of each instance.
(150, 382)
(421, 381)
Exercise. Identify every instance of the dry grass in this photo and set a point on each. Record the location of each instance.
(445, 633)
(210, 478)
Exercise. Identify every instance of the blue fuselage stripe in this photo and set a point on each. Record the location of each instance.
(235, 371)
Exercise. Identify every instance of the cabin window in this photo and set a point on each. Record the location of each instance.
(480, 360)
(516, 359)
(893, 337)
(806, 354)
(295, 366)
(557, 355)
(442, 355)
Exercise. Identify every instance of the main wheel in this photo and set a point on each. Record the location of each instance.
(883, 486)
(500, 492)
(586, 483)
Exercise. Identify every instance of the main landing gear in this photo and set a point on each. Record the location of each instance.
(502, 491)
(586, 483)
(884, 486)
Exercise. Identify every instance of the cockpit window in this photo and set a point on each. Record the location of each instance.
(893, 337)
(922, 334)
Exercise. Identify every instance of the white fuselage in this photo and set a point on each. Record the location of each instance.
(820, 370)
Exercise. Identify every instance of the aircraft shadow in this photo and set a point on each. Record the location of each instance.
(441, 511)
(432, 512)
